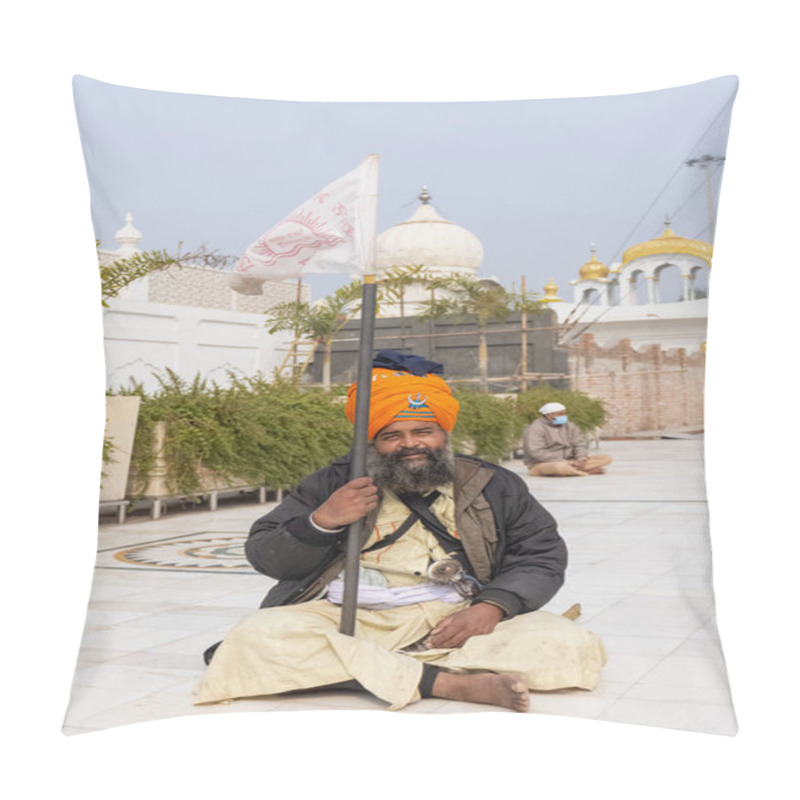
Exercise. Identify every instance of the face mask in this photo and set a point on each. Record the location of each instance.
(562, 420)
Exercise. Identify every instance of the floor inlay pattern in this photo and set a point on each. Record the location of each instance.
(213, 552)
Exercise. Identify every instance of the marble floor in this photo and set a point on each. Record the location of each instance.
(640, 566)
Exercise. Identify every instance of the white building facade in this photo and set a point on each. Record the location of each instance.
(626, 301)
(188, 320)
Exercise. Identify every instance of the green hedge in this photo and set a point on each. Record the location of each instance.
(265, 434)
(274, 434)
(487, 425)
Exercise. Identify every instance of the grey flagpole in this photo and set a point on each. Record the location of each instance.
(358, 465)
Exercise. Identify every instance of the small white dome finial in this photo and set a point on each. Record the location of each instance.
(425, 195)
(128, 237)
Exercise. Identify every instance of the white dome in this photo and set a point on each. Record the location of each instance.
(428, 239)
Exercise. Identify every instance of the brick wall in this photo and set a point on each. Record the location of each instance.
(200, 287)
(643, 390)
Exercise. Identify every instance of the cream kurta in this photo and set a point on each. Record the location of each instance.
(293, 647)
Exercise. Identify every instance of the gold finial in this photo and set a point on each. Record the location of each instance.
(551, 293)
(593, 268)
(424, 196)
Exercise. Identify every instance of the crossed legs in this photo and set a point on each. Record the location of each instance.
(595, 465)
(292, 648)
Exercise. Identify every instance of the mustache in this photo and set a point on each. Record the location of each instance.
(420, 450)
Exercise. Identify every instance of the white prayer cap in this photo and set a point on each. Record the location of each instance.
(551, 408)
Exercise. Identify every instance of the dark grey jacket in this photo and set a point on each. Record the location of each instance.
(510, 541)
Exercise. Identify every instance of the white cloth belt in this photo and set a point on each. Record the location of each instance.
(379, 597)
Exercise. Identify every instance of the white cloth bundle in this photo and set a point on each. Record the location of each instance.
(378, 597)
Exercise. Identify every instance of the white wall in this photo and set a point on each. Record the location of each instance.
(141, 338)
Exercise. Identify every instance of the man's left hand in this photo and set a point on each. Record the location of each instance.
(454, 630)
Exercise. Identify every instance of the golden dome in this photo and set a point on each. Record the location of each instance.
(550, 293)
(593, 268)
(668, 242)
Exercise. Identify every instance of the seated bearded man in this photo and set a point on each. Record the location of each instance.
(478, 638)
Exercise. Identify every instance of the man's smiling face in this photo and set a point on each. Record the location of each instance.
(410, 440)
(410, 456)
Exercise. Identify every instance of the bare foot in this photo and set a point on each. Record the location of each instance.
(507, 691)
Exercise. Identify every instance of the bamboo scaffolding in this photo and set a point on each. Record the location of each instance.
(454, 333)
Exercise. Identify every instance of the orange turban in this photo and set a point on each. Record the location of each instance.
(398, 396)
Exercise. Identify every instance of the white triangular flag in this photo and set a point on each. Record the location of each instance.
(334, 231)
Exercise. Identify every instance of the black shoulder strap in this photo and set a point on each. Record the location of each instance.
(421, 507)
(409, 521)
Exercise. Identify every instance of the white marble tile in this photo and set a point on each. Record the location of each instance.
(628, 668)
(76, 730)
(116, 584)
(138, 679)
(458, 707)
(688, 670)
(647, 570)
(181, 596)
(679, 605)
(679, 693)
(698, 717)
(577, 702)
(123, 605)
(599, 579)
(99, 655)
(431, 705)
(707, 631)
(185, 623)
(683, 585)
(195, 644)
(232, 613)
(129, 638)
(642, 645)
(250, 599)
(165, 705)
(333, 700)
(591, 602)
(149, 659)
(101, 618)
(85, 702)
(630, 621)
(701, 648)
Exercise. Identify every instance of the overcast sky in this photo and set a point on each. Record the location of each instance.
(536, 181)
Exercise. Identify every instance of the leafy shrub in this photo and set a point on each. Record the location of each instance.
(255, 432)
(283, 433)
(487, 425)
(586, 412)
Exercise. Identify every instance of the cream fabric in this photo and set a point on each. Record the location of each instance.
(299, 647)
(565, 469)
(406, 561)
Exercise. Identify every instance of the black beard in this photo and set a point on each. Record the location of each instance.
(391, 472)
